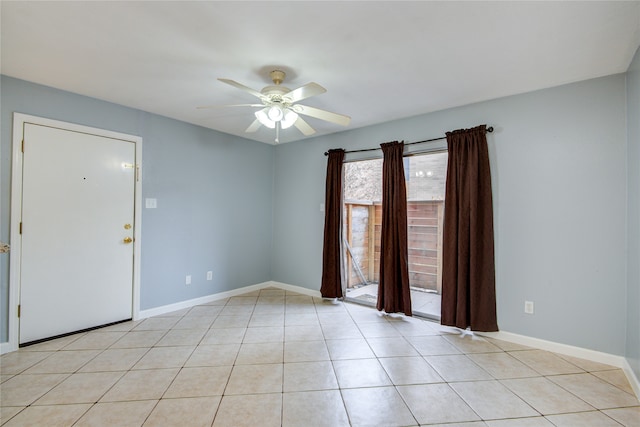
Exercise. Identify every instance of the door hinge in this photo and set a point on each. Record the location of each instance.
(21, 228)
(18, 310)
(22, 148)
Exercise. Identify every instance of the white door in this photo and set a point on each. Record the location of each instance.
(78, 195)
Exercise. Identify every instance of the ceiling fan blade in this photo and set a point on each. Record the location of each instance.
(304, 92)
(206, 107)
(253, 126)
(322, 114)
(304, 127)
(242, 87)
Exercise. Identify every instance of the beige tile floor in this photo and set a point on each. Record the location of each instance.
(275, 358)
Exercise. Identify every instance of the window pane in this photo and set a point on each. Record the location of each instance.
(426, 178)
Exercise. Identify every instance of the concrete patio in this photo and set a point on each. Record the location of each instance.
(423, 304)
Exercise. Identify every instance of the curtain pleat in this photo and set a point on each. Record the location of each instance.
(468, 276)
(332, 269)
(394, 295)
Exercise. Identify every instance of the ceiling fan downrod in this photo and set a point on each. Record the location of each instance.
(277, 76)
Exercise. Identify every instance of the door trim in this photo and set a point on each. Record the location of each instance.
(19, 120)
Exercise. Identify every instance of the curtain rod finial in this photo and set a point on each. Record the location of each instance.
(490, 129)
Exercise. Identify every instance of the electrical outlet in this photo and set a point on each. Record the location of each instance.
(209, 275)
(188, 280)
(528, 307)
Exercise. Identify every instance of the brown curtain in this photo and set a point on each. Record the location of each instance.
(468, 276)
(393, 289)
(331, 286)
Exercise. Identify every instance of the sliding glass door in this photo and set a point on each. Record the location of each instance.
(425, 176)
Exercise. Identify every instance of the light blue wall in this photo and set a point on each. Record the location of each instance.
(251, 212)
(558, 161)
(214, 195)
(633, 215)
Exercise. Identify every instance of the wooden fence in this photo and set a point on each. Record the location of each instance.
(363, 222)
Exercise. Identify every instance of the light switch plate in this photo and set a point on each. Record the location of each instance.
(528, 307)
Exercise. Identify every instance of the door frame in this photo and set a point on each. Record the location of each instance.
(19, 121)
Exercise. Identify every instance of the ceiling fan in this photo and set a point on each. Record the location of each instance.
(279, 108)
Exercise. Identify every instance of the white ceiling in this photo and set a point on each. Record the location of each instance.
(379, 61)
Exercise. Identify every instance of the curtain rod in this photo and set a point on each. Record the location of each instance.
(489, 130)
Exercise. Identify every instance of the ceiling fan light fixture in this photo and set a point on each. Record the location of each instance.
(262, 116)
(289, 119)
(275, 113)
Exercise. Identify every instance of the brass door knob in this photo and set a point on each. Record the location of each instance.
(128, 240)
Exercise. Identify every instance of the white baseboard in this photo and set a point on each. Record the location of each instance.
(569, 350)
(157, 311)
(633, 379)
(296, 289)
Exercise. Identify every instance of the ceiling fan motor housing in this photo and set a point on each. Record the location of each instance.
(275, 90)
